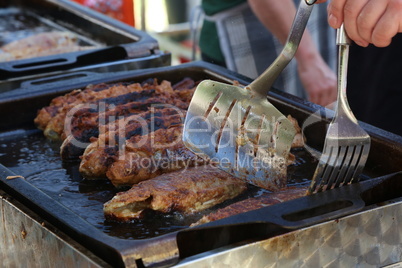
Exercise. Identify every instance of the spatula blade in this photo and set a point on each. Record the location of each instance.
(240, 131)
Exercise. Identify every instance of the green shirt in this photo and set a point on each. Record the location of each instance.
(209, 41)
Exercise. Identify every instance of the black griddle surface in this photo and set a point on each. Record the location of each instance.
(57, 192)
(29, 154)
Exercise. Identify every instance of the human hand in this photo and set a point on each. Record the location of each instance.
(319, 81)
(367, 21)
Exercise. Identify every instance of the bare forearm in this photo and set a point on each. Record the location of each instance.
(317, 78)
(277, 17)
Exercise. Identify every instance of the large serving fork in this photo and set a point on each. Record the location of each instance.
(346, 145)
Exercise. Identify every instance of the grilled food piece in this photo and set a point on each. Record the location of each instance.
(100, 118)
(76, 96)
(188, 191)
(42, 44)
(61, 105)
(148, 156)
(161, 152)
(266, 199)
(119, 94)
(82, 104)
(133, 119)
(108, 147)
(299, 139)
(6, 56)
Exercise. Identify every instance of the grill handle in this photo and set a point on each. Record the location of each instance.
(60, 62)
(281, 218)
(53, 80)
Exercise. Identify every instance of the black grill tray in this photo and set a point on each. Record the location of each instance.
(116, 40)
(167, 249)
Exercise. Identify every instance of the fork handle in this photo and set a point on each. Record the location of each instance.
(341, 37)
(343, 41)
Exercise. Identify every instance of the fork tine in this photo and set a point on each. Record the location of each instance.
(323, 168)
(329, 168)
(316, 182)
(340, 160)
(345, 166)
(317, 174)
(357, 150)
(362, 162)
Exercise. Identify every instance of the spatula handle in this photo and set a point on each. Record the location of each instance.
(264, 82)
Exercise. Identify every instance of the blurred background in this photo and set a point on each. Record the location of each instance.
(168, 21)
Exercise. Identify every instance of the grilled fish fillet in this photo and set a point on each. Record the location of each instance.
(188, 191)
(267, 199)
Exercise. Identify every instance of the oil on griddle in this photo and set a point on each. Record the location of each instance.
(38, 159)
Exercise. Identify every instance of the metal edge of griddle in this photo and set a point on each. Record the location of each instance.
(25, 234)
(366, 239)
(141, 45)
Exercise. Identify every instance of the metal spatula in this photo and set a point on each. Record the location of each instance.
(238, 128)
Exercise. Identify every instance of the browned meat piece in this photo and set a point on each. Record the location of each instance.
(185, 84)
(44, 40)
(103, 151)
(81, 105)
(46, 113)
(299, 139)
(188, 191)
(267, 199)
(121, 94)
(148, 156)
(42, 44)
(61, 105)
(136, 163)
(84, 125)
(88, 122)
(113, 134)
(5, 56)
(185, 89)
